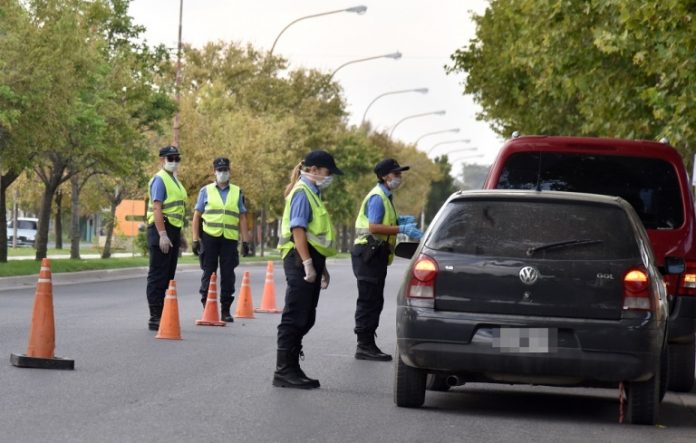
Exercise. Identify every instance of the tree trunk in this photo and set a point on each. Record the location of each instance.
(344, 238)
(59, 219)
(75, 217)
(5, 181)
(106, 253)
(263, 230)
(45, 216)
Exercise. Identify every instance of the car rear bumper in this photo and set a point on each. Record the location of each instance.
(585, 351)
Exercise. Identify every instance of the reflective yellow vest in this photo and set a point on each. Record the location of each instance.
(362, 223)
(222, 218)
(174, 205)
(320, 231)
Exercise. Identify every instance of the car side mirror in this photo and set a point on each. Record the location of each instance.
(406, 249)
(675, 265)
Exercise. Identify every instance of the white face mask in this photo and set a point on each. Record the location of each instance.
(171, 166)
(394, 183)
(321, 181)
(222, 176)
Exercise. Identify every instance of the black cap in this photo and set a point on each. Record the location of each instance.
(169, 150)
(389, 165)
(322, 159)
(221, 162)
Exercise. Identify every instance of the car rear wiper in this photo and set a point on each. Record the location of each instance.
(562, 244)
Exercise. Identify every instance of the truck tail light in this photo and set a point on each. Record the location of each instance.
(688, 280)
(638, 294)
(421, 286)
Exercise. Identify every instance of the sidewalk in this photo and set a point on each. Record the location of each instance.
(82, 256)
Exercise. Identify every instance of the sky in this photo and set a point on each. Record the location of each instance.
(425, 32)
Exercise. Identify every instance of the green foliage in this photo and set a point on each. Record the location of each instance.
(441, 188)
(615, 68)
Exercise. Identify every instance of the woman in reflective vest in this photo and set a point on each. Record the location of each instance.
(165, 217)
(306, 239)
(376, 228)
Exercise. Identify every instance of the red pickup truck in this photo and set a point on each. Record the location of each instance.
(649, 175)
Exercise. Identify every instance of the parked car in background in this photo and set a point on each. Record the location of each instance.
(540, 288)
(26, 231)
(649, 175)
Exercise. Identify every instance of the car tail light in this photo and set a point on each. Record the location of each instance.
(688, 280)
(637, 291)
(421, 287)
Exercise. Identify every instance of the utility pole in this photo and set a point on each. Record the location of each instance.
(177, 84)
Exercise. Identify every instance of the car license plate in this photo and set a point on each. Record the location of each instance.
(525, 340)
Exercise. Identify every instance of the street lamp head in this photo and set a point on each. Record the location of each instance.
(443, 112)
(360, 10)
(395, 55)
(421, 90)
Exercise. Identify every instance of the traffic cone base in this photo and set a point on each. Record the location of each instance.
(245, 306)
(24, 361)
(42, 333)
(268, 301)
(211, 315)
(169, 328)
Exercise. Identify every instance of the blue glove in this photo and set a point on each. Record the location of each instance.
(411, 231)
(406, 219)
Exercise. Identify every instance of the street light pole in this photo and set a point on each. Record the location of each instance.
(435, 132)
(394, 55)
(432, 148)
(177, 82)
(360, 10)
(442, 112)
(419, 90)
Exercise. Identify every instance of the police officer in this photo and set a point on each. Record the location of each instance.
(221, 207)
(306, 239)
(165, 217)
(376, 228)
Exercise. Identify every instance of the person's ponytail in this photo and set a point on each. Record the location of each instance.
(294, 176)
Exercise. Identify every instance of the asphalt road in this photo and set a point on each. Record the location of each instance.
(215, 384)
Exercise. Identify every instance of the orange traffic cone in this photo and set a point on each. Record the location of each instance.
(169, 323)
(245, 307)
(268, 301)
(42, 338)
(211, 314)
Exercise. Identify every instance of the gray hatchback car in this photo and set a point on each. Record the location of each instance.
(539, 288)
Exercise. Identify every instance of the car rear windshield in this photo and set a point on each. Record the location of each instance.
(650, 185)
(512, 228)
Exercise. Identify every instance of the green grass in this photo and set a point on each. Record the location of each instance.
(28, 251)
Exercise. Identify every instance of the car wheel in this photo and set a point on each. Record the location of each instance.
(682, 363)
(643, 401)
(409, 384)
(437, 382)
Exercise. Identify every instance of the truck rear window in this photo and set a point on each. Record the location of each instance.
(650, 185)
(510, 228)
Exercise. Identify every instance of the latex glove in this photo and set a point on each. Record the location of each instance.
(246, 252)
(310, 272)
(325, 278)
(413, 232)
(164, 242)
(196, 248)
(403, 228)
(406, 219)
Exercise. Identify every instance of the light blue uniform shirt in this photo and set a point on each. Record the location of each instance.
(375, 207)
(300, 210)
(203, 198)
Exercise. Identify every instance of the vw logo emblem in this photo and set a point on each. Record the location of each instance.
(529, 275)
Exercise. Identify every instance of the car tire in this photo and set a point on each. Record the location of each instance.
(436, 382)
(682, 363)
(643, 401)
(409, 384)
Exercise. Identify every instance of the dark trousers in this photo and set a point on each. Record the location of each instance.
(223, 251)
(301, 300)
(371, 276)
(162, 266)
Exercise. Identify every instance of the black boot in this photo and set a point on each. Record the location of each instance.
(288, 373)
(367, 348)
(225, 314)
(155, 315)
(297, 355)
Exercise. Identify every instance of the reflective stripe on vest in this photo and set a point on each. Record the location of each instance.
(320, 231)
(222, 219)
(362, 223)
(174, 205)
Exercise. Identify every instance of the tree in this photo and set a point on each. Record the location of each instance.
(597, 68)
(440, 188)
